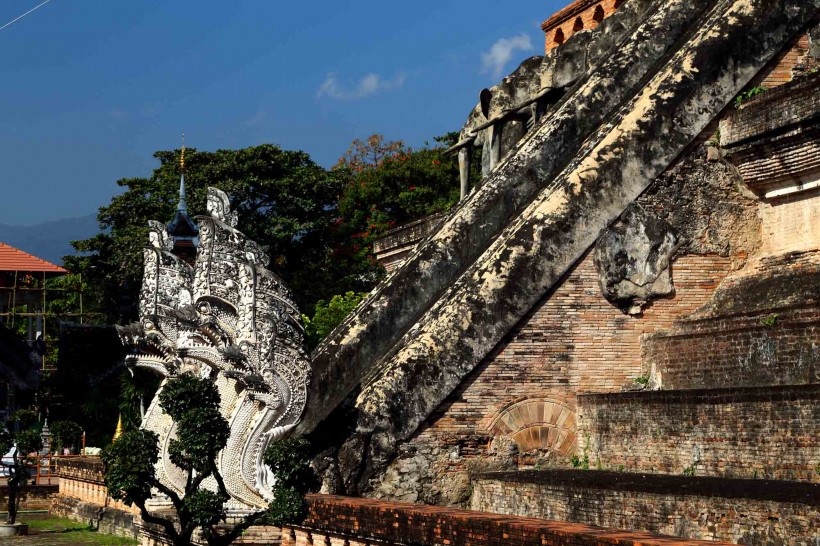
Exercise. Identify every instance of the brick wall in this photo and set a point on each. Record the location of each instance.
(771, 348)
(34, 497)
(578, 16)
(573, 342)
(110, 521)
(772, 110)
(738, 511)
(752, 432)
(83, 479)
(793, 60)
(341, 520)
(398, 243)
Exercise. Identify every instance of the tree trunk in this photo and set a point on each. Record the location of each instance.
(13, 485)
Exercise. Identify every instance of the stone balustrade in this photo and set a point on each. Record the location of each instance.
(83, 479)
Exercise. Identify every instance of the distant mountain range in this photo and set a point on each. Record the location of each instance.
(50, 240)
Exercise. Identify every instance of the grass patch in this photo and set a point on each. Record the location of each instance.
(67, 532)
(53, 524)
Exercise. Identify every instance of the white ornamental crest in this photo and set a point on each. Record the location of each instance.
(229, 319)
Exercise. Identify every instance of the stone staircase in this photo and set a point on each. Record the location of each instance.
(417, 336)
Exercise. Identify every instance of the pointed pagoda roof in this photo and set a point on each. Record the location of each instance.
(182, 225)
(14, 259)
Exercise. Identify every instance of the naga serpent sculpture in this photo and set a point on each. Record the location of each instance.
(228, 319)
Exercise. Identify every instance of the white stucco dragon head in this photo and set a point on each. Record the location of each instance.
(229, 319)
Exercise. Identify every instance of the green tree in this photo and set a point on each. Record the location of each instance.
(202, 432)
(318, 225)
(289, 458)
(285, 201)
(330, 314)
(391, 184)
(18, 467)
(65, 434)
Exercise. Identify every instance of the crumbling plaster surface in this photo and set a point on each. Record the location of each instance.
(350, 353)
(701, 203)
(633, 258)
(609, 171)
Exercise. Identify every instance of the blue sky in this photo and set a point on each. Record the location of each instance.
(91, 88)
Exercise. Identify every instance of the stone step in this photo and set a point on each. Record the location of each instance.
(775, 347)
(732, 510)
(749, 432)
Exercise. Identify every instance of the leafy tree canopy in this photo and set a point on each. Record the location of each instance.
(66, 433)
(329, 314)
(285, 201)
(318, 225)
(201, 433)
(289, 459)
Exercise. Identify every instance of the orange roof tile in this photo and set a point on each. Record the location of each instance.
(12, 259)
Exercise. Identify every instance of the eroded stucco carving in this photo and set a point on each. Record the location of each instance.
(229, 319)
(633, 258)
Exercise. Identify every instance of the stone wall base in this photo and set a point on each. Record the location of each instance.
(739, 511)
(34, 497)
(110, 521)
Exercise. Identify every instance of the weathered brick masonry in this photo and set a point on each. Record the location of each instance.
(573, 342)
(359, 522)
(772, 111)
(392, 248)
(578, 16)
(751, 432)
(792, 61)
(83, 497)
(35, 497)
(738, 511)
(777, 347)
(84, 479)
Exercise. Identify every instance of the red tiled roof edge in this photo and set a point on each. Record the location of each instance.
(14, 259)
(562, 15)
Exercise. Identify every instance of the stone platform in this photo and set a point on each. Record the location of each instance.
(734, 510)
(751, 432)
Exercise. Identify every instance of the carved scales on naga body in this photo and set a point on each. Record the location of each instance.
(229, 319)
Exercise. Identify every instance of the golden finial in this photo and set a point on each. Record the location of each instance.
(118, 431)
(182, 155)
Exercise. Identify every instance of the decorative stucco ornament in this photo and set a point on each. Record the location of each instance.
(228, 319)
(633, 258)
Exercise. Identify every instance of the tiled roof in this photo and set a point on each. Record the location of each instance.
(13, 259)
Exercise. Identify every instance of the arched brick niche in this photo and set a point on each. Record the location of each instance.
(579, 15)
(537, 424)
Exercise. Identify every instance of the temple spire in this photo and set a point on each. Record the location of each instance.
(182, 206)
(183, 230)
(118, 431)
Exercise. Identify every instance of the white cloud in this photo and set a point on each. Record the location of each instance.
(118, 114)
(255, 119)
(494, 60)
(369, 85)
